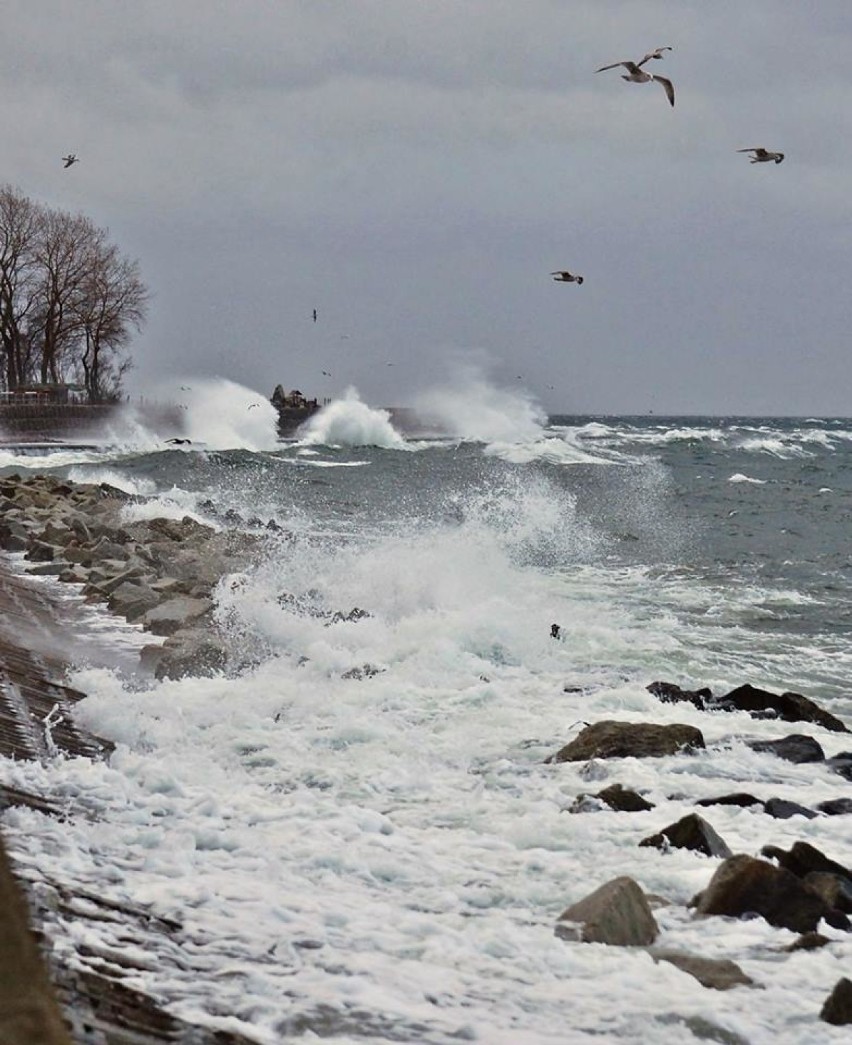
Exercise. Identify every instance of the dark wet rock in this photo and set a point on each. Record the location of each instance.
(40, 551)
(744, 885)
(617, 913)
(354, 614)
(46, 569)
(365, 671)
(611, 739)
(13, 536)
(719, 974)
(669, 693)
(812, 941)
(835, 890)
(837, 1009)
(835, 806)
(690, 832)
(797, 748)
(616, 797)
(790, 707)
(804, 859)
(783, 809)
(841, 764)
(737, 798)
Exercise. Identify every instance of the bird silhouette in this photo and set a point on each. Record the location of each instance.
(566, 277)
(314, 314)
(69, 160)
(762, 155)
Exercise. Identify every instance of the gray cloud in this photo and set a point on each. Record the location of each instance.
(415, 168)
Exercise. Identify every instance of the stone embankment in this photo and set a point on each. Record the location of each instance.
(163, 571)
(159, 573)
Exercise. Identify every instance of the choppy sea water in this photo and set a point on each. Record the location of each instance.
(383, 858)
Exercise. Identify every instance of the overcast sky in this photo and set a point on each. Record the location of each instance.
(414, 169)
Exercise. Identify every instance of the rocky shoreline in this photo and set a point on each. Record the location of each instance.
(158, 573)
(161, 574)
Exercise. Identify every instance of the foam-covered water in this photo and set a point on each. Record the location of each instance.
(358, 834)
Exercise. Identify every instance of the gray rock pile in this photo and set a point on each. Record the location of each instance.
(159, 573)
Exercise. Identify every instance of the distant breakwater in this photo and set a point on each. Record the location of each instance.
(51, 420)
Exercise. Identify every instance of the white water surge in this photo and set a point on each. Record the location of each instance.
(357, 833)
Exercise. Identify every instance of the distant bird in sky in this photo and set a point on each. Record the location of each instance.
(325, 373)
(566, 277)
(186, 388)
(762, 155)
(69, 160)
(635, 74)
(656, 53)
(314, 314)
(251, 406)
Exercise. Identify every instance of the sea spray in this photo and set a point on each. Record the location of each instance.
(223, 415)
(472, 408)
(349, 422)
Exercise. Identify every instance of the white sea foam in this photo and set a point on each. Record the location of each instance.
(389, 853)
(349, 422)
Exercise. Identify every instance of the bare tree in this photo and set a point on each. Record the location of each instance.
(69, 300)
(19, 227)
(114, 303)
(63, 254)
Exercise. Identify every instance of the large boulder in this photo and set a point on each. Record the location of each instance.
(611, 739)
(783, 809)
(617, 913)
(835, 806)
(838, 1005)
(743, 885)
(804, 859)
(791, 707)
(175, 613)
(797, 748)
(670, 693)
(690, 832)
(736, 798)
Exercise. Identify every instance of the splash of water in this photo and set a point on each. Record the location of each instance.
(473, 408)
(349, 422)
(226, 416)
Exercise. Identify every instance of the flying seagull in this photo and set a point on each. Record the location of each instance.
(656, 53)
(761, 155)
(637, 75)
(314, 315)
(70, 159)
(566, 277)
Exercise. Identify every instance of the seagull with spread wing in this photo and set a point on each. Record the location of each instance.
(762, 155)
(566, 277)
(69, 160)
(636, 74)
